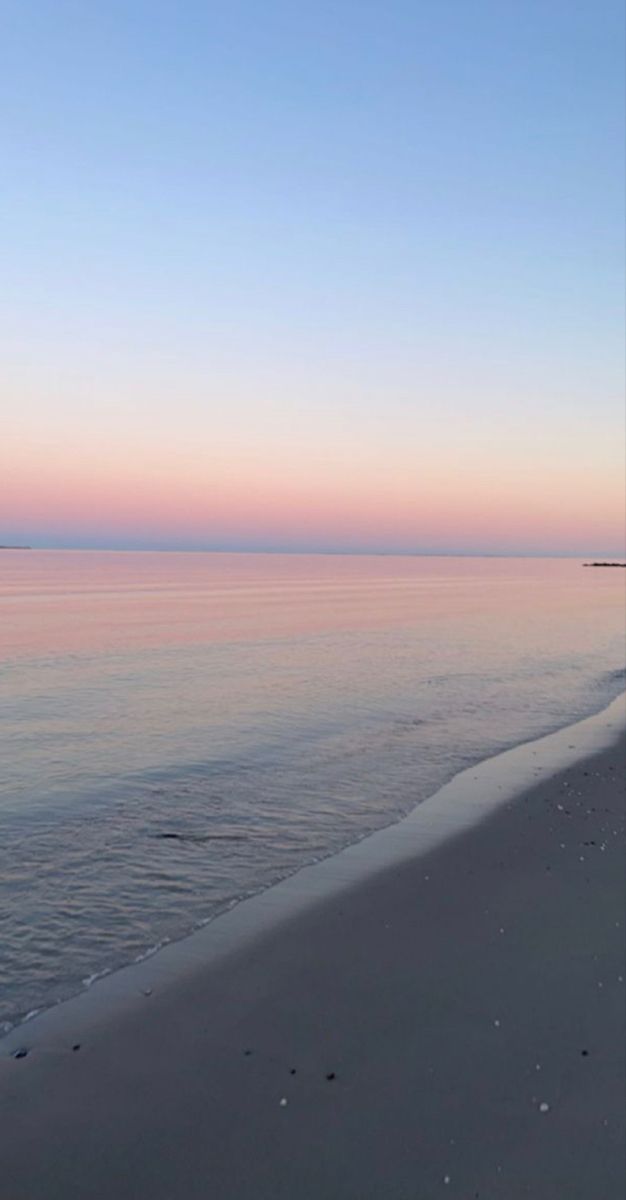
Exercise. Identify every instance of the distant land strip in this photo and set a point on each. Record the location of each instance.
(15, 547)
(604, 564)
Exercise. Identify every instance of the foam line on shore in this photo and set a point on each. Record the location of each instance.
(470, 797)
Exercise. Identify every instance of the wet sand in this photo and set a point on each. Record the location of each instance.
(453, 1025)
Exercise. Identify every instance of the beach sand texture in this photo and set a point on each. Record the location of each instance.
(451, 1025)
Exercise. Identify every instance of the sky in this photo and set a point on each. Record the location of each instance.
(341, 276)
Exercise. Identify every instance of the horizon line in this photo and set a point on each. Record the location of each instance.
(317, 551)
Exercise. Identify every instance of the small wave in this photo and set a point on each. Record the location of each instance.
(87, 982)
(203, 837)
(151, 950)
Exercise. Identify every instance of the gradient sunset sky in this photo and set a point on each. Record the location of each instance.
(327, 275)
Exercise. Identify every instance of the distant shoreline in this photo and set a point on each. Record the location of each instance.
(15, 547)
(604, 564)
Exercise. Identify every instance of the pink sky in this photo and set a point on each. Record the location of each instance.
(379, 495)
(334, 284)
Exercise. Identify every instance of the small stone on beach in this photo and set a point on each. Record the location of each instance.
(543, 1107)
(21, 1053)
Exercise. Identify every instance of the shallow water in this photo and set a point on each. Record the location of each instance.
(180, 730)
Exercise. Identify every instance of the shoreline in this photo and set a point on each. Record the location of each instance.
(443, 1022)
(466, 800)
(449, 1024)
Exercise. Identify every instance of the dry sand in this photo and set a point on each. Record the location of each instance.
(453, 1026)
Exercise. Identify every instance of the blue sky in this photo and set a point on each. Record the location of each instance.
(289, 234)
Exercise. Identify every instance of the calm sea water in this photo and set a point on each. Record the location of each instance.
(181, 730)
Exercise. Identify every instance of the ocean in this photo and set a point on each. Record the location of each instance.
(179, 731)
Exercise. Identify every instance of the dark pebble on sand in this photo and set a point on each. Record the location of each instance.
(584, 1053)
(76, 1046)
(292, 1071)
(247, 1052)
(21, 1053)
(330, 1076)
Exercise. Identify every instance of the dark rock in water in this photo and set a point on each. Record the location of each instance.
(292, 1071)
(21, 1053)
(584, 1053)
(247, 1052)
(76, 1046)
(331, 1075)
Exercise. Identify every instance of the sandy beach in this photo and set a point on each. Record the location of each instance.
(452, 1025)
